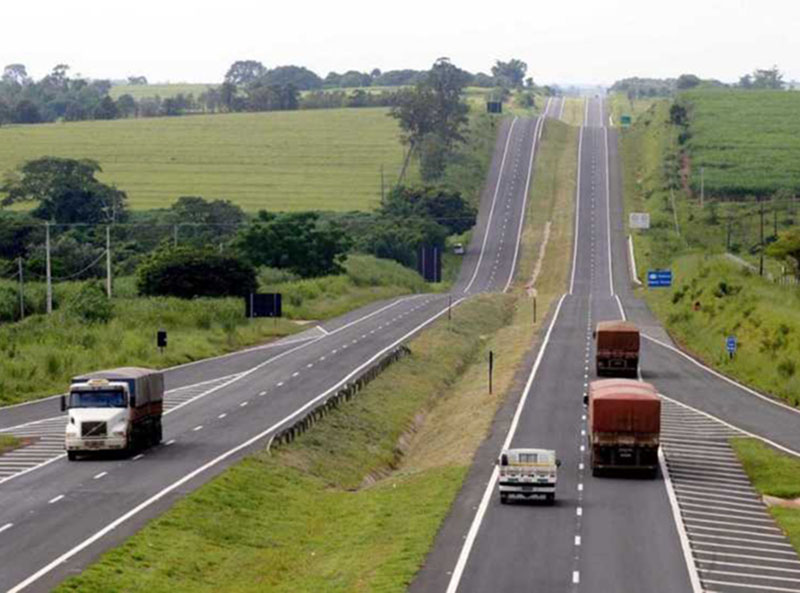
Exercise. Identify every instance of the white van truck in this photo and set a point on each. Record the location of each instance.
(114, 410)
(528, 472)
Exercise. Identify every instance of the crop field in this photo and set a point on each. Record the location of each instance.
(291, 160)
(748, 142)
(165, 91)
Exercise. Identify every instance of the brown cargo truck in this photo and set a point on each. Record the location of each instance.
(624, 425)
(617, 348)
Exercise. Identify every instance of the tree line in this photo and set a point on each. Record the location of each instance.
(637, 88)
(247, 86)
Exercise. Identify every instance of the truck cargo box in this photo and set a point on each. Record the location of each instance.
(146, 385)
(624, 406)
(617, 348)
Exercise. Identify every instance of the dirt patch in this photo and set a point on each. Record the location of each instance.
(787, 503)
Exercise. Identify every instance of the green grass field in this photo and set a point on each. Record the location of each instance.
(297, 160)
(747, 141)
(165, 91)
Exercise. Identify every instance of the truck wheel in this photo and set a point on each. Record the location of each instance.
(72, 455)
(595, 471)
(551, 499)
(159, 432)
(503, 498)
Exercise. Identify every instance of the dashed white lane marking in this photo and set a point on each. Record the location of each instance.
(138, 457)
(279, 384)
(170, 442)
(295, 374)
(263, 393)
(579, 510)
(577, 540)
(6, 527)
(223, 415)
(309, 365)
(56, 499)
(580, 487)
(321, 358)
(576, 577)
(243, 404)
(196, 428)
(100, 475)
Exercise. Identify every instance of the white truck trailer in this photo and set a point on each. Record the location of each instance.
(115, 410)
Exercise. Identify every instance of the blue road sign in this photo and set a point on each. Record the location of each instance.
(659, 278)
(730, 344)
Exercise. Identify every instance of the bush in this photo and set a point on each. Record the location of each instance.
(188, 273)
(91, 304)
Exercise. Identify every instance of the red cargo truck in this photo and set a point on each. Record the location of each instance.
(617, 348)
(624, 425)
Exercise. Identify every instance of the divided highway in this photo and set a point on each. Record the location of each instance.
(57, 516)
(698, 527)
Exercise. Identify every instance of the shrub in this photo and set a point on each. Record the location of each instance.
(188, 273)
(91, 304)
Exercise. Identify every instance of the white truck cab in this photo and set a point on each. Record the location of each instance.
(528, 472)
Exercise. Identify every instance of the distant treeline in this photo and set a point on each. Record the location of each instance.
(248, 86)
(636, 88)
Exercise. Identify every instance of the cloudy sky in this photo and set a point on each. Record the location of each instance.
(577, 41)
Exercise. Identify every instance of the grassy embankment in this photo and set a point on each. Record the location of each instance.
(41, 353)
(574, 108)
(354, 504)
(165, 91)
(775, 474)
(763, 316)
(8, 443)
(289, 160)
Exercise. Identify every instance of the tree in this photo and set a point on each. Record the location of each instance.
(244, 72)
(227, 95)
(66, 191)
(299, 77)
(687, 81)
(771, 78)
(126, 106)
(106, 109)
(787, 247)
(511, 73)
(137, 80)
(294, 241)
(399, 239)
(212, 221)
(445, 207)
(746, 81)
(188, 273)
(16, 74)
(27, 112)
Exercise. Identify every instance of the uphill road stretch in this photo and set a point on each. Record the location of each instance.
(57, 516)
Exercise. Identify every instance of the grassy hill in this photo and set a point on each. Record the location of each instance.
(165, 91)
(292, 160)
(747, 141)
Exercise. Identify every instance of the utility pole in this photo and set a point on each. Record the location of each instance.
(21, 291)
(47, 268)
(108, 260)
(761, 251)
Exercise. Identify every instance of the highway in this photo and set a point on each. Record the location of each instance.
(699, 526)
(56, 516)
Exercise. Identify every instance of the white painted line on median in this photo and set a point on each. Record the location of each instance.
(577, 215)
(491, 209)
(608, 219)
(694, 578)
(56, 499)
(472, 534)
(196, 472)
(100, 475)
(323, 330)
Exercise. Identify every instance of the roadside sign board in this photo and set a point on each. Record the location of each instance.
(263, 305)
(625, 121)
(639, 220)
(659, 278)
(494, 107)
(730, 344)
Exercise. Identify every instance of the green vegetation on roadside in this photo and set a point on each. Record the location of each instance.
(355, 503)
(299, 160)
(747, 141)
(8, 443)
(775, 474)
(165, 91)
(41, 353)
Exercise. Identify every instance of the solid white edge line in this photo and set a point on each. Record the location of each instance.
(585, 113)
(694, 579)
(455, 578)
(621, 310)
(539, 125)
(191, 475)
(491, 210)
(632, 262)
(577, 213)
(721, 376)
(608, 215)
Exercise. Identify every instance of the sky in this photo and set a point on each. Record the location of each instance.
(564, 42)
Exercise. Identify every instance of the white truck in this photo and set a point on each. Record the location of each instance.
(528, 472)
(114, 410)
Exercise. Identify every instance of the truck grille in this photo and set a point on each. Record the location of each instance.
(93, 429)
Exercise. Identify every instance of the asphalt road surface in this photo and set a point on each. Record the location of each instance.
(56, 516)
(698, 526)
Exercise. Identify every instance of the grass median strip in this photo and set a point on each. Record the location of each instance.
(9, 443)
(774, 474)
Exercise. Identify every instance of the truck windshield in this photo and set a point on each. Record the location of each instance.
(97, 399)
